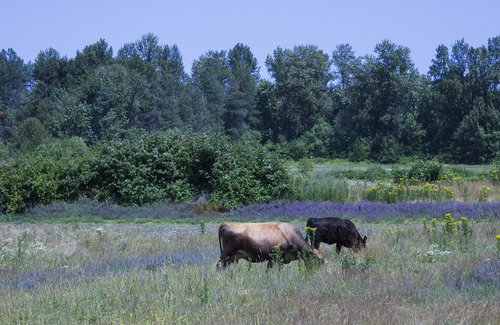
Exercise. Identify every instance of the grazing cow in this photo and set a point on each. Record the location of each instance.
(338, 231)
(255, 241)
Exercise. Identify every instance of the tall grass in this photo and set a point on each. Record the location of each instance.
(165, 274)
(328, 186)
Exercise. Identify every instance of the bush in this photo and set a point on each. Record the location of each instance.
(57, 171)
(360, 151)
(171, 167)
(305, 166)
(495, 173)
(243, 175)
(420, 171)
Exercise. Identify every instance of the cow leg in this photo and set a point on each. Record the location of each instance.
(338, 248)
(224, 261)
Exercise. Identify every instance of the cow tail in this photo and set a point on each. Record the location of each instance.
(221, 228)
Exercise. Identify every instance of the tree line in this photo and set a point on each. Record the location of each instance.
(377, 107)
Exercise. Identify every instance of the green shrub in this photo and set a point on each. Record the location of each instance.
(420, 171)
(375, 173)
(495, 173)
(172, 167)
(242, 175)
(57, 171)
(305, 166)
(360, 151)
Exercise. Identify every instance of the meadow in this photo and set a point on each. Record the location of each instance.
(164, 273)
(431, 258)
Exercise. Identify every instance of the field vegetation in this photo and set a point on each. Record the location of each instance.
(422, 271)
(428, 259)
(419, 180)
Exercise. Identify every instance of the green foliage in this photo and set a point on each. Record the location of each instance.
(454, 233)
(320, 188)
(31, 133)
(60, 170)
(495, 173)
(173, 167)
(477, 138)
(360, 151)
(305, 166)
(301, 76)
(376, 107)
(242, 175)
(276, 257)
(420, 171)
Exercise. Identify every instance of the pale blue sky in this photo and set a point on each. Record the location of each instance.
(197, 26)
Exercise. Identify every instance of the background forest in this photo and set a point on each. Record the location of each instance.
(135, 128)
(376, 107)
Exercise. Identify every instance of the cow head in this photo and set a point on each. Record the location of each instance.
(360, 243)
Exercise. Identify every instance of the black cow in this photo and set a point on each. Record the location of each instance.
(333, 230)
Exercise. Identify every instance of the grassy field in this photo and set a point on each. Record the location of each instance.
(165, 274)
(344, 181)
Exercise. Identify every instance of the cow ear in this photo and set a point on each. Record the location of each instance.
(364, 239)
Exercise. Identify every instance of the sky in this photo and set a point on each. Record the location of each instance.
(196, 26)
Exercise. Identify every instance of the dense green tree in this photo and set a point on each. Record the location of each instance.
(374, 107)
(30, 134)
(241, 90)
(382, 103)
(346, 69)
(301, 78)
(477, 138)
(142, 55)
(210, 74)
(105, 105)
(51, 74)
(50, 71)
(346, 63)
(14, 81)
(170, 99)
(266, 119)
(92, 57)
(458, 80)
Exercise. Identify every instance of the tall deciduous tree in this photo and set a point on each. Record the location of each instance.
(477, 138)
(383, 103)
(301, 77)
(464, 89)
(211, 73)
(14, 79)
(346, 64)
(106, 105)
(266, 118)
(92, 57)
(242, 87)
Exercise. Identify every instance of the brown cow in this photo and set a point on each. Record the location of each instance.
(338, 231)
(255, 241)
